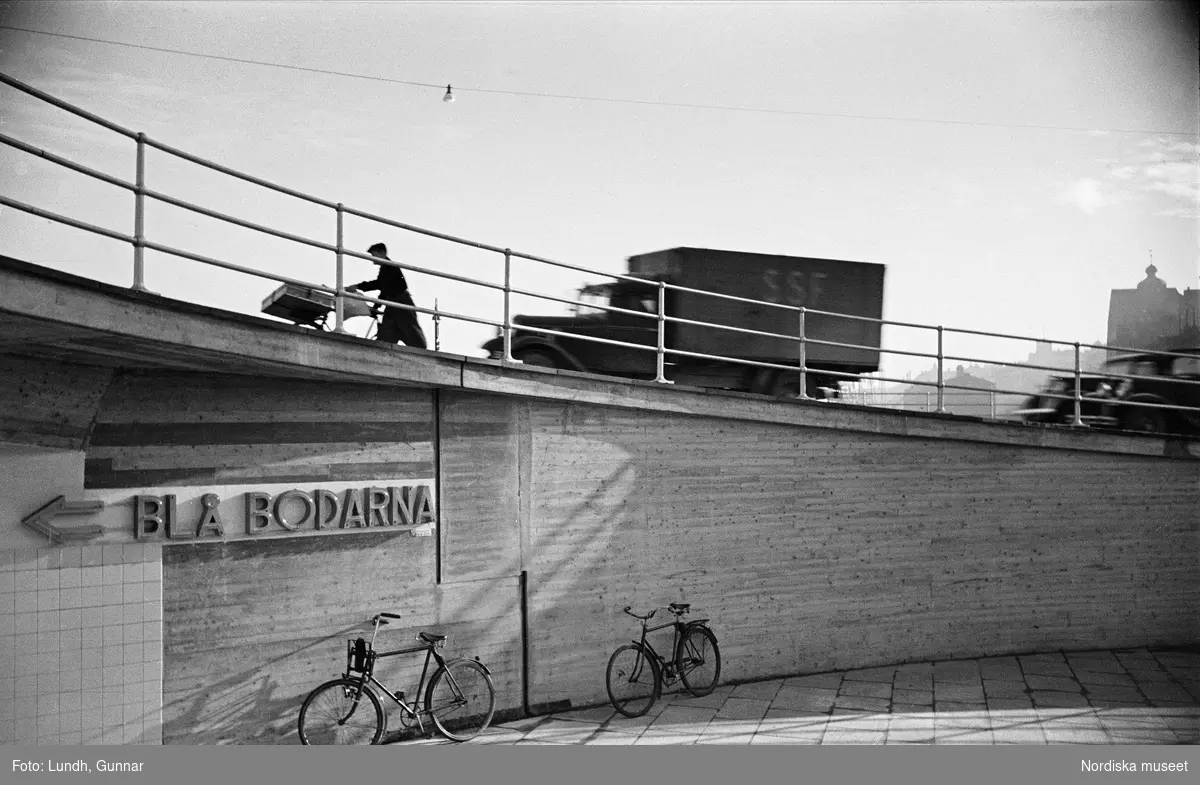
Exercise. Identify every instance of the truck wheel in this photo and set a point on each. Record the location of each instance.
(1146, 421)
(536, 358)
(786, 389)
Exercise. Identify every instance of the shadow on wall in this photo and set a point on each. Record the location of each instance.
(247, 627)
(810, 550)
(260, 683)
(817, 549)
(228, 710)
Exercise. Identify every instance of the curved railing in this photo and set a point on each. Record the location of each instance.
(340, 294)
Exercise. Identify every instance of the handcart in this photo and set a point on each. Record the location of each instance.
(313, 308)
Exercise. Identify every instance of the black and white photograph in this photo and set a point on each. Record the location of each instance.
(811, 381)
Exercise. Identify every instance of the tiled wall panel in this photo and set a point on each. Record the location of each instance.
(81, 645)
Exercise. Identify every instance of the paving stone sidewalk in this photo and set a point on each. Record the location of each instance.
(1128, 696)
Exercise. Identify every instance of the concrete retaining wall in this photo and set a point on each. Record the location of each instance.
(810, 548)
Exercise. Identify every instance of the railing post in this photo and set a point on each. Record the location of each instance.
(508, 357)
(437, 327)
(339, 299)
(660, 361)
(139, 218)
(1078, 419)
(803, 357)
(941, 388)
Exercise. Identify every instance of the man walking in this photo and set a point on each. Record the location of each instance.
(397, 324)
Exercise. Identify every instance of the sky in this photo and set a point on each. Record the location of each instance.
(1009, 162)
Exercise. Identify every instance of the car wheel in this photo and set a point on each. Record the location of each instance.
(1146, 421)
(537, 358)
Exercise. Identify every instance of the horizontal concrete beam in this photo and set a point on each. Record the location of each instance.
(508, 379)
(49, 314)
(159, 332)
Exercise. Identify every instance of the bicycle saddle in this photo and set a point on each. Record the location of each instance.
(429, 637)
(680, 607)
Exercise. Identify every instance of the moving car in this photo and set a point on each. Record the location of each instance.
(1143, 378)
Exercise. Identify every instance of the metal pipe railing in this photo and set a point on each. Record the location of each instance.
(216, 167)
(661, 347)
(419, 309)
(57, 102)
(803, 334)
(660, 359)
(62, 219)
(339, 300)
(508, 325)
(66, 163)
(941, 366)
(295, 238)
(139, 218)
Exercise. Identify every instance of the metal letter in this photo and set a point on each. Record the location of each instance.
(326, 502)
(377, 507)
(147, 516)
(210, 524)
(310, 509)
(258, 511)
(422, 506)
(401, 507)
(352, 513)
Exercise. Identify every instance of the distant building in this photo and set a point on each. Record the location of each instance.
(1153, 316)
(978, 401)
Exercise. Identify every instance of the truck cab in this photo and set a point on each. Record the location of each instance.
(572, 349)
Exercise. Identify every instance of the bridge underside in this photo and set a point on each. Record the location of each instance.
(814, 536)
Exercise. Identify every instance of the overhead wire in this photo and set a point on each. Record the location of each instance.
(631, 101)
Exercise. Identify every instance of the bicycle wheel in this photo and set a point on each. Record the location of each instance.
(332, 714)
(461, 699)
(698, 660)
(633, 680)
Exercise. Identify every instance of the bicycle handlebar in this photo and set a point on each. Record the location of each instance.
(637, 616)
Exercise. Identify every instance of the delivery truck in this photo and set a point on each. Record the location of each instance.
(842, 287)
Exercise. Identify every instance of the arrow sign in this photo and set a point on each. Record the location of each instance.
(41, 521)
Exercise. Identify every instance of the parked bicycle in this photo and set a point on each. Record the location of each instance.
(460, 699)
(636, 671)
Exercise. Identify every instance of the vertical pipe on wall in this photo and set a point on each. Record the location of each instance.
(524, 584)
(437, 486)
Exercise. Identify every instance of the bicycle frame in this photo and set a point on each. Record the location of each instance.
(456, 693)
(666, 664)
(367, 676)
(666, 667)
(627, 680)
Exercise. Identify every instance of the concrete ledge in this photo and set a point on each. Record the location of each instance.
(50, 314)
(507, 379)
(74, 319)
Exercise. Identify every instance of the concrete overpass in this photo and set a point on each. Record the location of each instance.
(815, 536)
